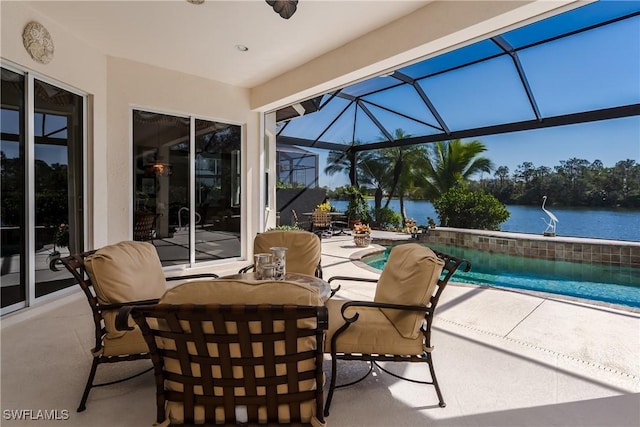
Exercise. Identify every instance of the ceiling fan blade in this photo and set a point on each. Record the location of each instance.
(285, 8)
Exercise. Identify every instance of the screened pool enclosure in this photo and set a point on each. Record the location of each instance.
(567, 69)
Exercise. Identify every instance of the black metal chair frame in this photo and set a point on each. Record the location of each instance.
(75, 265)
(450, 267)
(302, 225)
(174, 317)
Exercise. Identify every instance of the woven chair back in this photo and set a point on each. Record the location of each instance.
(236, 363)
(321, 219)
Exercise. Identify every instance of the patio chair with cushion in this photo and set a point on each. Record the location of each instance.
(396, 325)
(304, 250)
(236, 352)
(123, 274)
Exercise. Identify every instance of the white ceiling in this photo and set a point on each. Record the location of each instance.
(201, 39)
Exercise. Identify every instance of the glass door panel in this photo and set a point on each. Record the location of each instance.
(59, 225)
(161, 184)
(12, 149)
(217, 196)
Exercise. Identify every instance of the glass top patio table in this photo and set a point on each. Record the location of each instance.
(324, 289)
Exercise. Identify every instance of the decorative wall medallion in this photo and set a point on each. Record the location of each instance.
(38, 42)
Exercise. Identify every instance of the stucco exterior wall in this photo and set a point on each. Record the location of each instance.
(80, 66)
(136, 85)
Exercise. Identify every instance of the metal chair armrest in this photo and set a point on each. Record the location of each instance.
(193, 276)
(353, 279)
(124, 311)
(335, 290)
(418, 308)
(119, 305)
(246, 269)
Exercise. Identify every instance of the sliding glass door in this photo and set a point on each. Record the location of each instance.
(42, 185)
(12, 150)
(58, 182)
(186, 187)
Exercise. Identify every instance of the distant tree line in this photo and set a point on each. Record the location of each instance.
(574, 182)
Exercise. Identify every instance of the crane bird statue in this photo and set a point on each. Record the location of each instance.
(553, 220)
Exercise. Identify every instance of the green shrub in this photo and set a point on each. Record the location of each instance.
(386, 218)
(461, 208)
(285, 227)
(358, 208)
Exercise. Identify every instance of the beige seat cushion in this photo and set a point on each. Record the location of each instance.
(127, 342)
(409, 277)
(124, 272)
(222, 291)
(304, 251)
(372, 333)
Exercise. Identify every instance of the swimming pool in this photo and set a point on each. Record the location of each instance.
(614, 285)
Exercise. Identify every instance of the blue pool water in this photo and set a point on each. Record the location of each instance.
(614, 285)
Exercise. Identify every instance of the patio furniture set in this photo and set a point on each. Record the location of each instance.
(323, 223)
(237, 349)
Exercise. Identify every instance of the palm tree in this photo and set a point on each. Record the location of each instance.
(345, 162)
(394, 158)
(373, 167)
(394, 169)
(452, 162)
(415, 161)
(340, 162)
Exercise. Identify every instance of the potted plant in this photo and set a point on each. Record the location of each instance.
(357, 209)
(60, 240)
(325, 207)
(431, 222)
(361, 235)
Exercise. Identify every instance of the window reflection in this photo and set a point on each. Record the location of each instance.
(217, 190)
(163, 195)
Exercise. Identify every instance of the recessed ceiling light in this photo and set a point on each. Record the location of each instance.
(242, 48)
(196, 1)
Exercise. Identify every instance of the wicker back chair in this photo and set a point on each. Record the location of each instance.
(236, 363)
(304, 254)
(143, 226)
(396, 325)
(321, 223)
(124, 274)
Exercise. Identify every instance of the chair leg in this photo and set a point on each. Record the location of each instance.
(332, 385)
(87, 389)
(435, 381)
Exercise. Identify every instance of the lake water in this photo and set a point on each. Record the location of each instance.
(616, 224)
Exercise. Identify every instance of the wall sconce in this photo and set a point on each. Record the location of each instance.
(159, 169)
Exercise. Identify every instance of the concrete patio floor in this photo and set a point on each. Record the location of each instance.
(502, 358)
